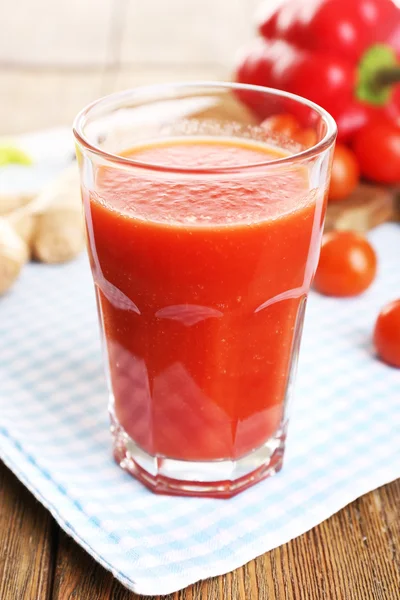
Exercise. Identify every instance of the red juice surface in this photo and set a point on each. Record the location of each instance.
(201, 281)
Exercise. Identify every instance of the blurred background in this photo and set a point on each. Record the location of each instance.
(56, 56)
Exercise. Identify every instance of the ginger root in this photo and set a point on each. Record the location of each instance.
(14, 254)
(59, 231)
(52, 223)
(10, 202)
(49, 228)
(58, 236)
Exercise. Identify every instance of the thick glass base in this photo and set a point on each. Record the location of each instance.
(216, 479)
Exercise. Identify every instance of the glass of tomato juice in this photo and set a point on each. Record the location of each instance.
(203, 228)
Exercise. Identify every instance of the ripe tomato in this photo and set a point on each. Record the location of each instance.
(286, 124)
(377, 147)
(387, 334)
(347, 264)
(345, 173)
(306, 137)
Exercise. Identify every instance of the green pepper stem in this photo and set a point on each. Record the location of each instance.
(386, 76)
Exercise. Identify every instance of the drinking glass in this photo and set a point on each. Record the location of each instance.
(203, 230)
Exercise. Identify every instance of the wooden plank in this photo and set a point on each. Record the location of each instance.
(182, 33)
(34, 98)
(66, 32)
(77, 575)
(90, 33)
(26, 542)
(40, 98)
(127, 77)
(352, 556)
(367, 207)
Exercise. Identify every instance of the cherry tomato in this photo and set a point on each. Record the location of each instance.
(286, 124)
(347, 264)
(306, 137)
(377, 147)
(345, 173)
(387, 334)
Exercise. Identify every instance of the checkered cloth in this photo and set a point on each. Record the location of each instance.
(343, 439)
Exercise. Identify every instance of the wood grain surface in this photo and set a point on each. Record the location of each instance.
(354, 555)
(367, 207)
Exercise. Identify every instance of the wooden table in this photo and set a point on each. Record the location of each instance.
(355, 555)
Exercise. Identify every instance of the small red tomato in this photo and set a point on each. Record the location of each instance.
(306, 137)
(345, 173)
(285, 124)
(347, 264)
(377, 148)
(387, 334)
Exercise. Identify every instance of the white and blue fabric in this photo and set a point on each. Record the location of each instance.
(344, 435)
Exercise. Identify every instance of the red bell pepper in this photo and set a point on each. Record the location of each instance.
(342, 54)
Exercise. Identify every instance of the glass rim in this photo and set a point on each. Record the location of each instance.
(316, 149)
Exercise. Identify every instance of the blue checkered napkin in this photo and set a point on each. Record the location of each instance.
(343, 440)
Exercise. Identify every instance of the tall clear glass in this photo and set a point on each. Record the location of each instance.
(204, 227)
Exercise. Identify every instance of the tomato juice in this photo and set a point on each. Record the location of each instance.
(201, 278)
